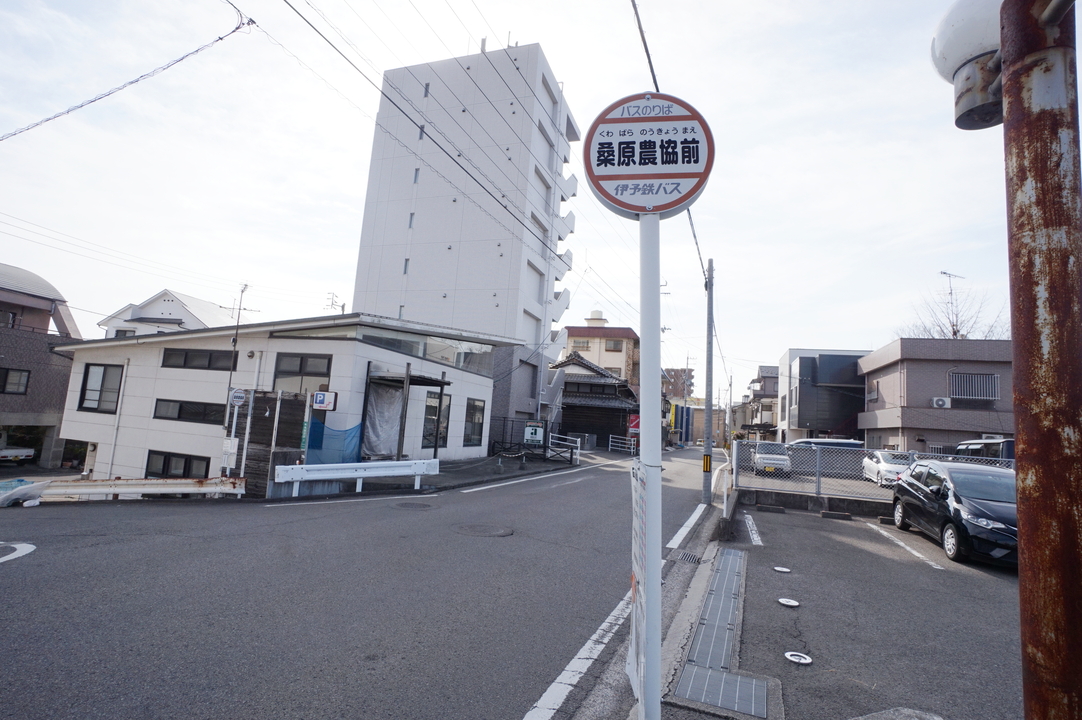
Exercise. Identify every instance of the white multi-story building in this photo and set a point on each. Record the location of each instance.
(462, 223)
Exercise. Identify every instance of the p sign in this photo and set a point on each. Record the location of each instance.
(324, 401)
(648, 153)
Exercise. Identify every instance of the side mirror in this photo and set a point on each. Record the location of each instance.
(937, 491)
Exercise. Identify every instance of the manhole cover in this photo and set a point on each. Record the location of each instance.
(413, 505)
(781, 570)
(483, 530)
(788, 603)
(798, 658)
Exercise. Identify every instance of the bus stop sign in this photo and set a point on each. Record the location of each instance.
(648, 153)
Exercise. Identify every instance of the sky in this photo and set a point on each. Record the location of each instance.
(840, 191)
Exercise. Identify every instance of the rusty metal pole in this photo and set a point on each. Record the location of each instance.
(1044, 217)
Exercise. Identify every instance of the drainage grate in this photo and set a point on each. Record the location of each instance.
(690, 558)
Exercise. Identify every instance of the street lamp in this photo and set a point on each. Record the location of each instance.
(1037, 79)
(965, 52)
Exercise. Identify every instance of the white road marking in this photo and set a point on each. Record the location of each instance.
(896, 541)
(350, 500)
(682, 532)
(755, 539)
(553, 698)
(20, 550)
(538, 477)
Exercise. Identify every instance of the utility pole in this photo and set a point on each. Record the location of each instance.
(708, 418)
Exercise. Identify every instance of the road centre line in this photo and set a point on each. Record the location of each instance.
(553, 698)
(538, 477)
(347, 500)
(896, 541)
(682, 532)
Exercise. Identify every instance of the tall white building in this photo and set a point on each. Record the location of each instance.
(462, 221)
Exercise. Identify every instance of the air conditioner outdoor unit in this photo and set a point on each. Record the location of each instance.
(941, 402)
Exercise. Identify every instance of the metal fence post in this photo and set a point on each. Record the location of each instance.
(818, 471)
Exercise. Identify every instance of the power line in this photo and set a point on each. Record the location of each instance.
(241, 23)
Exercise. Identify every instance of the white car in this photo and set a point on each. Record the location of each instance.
(884, 466)
(771, 458)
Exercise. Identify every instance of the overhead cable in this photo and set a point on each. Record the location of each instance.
(242, 23)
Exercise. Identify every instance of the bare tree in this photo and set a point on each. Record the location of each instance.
(957, 314)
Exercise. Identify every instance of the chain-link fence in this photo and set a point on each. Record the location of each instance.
(833, 471)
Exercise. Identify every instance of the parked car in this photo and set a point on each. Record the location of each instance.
(838, 457)
(998, 451)
(884, 466)
(770, 458)
(970, 509)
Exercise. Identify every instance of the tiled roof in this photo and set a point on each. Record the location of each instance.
(604, 401)
(602, 332)
(576, 359)
(23, 281)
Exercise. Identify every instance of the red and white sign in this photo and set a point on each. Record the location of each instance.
(648, 153)
(632, 424)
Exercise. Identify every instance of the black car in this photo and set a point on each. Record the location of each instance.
(969, 508)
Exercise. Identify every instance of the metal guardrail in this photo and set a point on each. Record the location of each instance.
(561, 445)
(28, 492)
(297, 474)
(619, 443)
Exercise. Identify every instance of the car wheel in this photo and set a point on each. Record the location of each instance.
(952, 544)
(899, 516)
(879, 479)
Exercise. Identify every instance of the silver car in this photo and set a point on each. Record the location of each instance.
(771, 458)
(884, 466)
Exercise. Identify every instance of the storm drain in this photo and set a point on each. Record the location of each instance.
(706, 676)
(690, 558)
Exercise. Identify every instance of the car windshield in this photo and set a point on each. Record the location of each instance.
(896, 458)
(770, 449)
(984, 486)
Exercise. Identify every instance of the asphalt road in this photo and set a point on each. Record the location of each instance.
(884, 627)
(466, 604)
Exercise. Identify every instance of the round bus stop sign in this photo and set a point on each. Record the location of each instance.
(648, 153)
(238, 397)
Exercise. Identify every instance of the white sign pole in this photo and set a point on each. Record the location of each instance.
(650, 455)
(648, 157)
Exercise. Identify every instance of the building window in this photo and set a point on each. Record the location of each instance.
(14, 382)
(475, 423)
(428, 434)
(974, 386)
(197, 412)
(872, 391)
(614, 371)
(198, 359)
(614, 345)
(101, 388)
(935, 449)
(166, 465)
(120, 332)
(580, 344)
(302, 373)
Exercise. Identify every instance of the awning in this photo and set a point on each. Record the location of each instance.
(399, 379)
